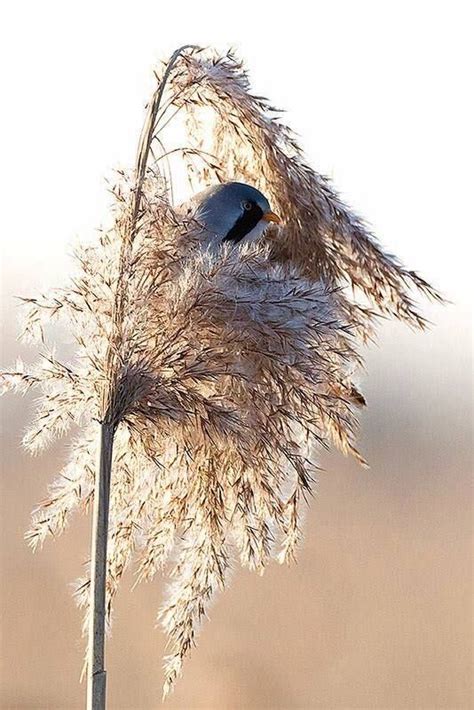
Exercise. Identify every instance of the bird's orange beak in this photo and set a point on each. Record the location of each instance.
(271, 217)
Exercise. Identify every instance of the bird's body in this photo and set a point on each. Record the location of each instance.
(231, 212)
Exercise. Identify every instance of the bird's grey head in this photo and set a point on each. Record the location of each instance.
(233, 212)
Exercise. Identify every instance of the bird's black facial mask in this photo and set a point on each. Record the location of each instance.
(245, 223)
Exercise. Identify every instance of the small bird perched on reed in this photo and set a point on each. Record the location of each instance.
(231, 212)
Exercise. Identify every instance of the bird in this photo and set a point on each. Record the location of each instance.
(231, 212)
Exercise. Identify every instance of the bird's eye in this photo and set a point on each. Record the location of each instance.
(247, 205)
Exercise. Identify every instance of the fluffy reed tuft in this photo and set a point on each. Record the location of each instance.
(221, 373)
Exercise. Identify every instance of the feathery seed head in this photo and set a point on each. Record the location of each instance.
(222, 371)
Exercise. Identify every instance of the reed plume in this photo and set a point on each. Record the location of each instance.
(205, 382)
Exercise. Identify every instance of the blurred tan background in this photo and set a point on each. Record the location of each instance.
(378, 612)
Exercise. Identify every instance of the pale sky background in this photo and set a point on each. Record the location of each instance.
(381, 95)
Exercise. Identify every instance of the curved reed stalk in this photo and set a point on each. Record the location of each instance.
(216, 377)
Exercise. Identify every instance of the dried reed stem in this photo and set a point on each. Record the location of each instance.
(96, 686)
(96, 673)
